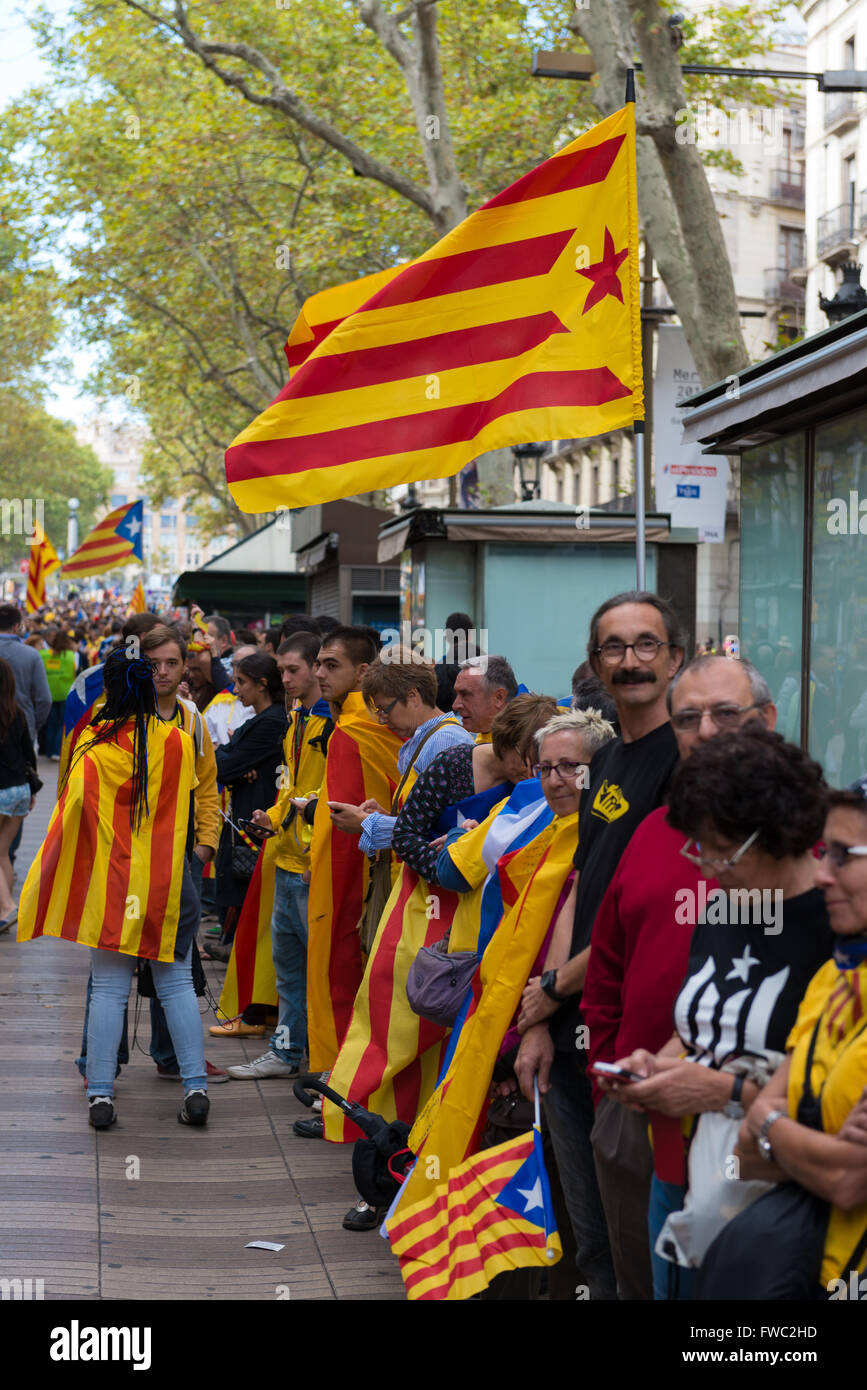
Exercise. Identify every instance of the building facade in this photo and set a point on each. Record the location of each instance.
(170, 541)
(835, 155)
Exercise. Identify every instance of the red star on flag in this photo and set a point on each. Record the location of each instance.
(604, 274)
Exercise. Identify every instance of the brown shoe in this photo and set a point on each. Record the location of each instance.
(238, 1029)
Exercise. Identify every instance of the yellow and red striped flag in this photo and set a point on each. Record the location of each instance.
(250, 975)
(532, 880)
(494, 1213)
(138, 602)
(322, 312)
(43, 559)
(521, 324)
(361, 764)
(116, 540)
(94, 880)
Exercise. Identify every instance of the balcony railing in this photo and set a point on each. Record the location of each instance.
(835, 227)
(787, 185)
(839, 106)
(780, 288)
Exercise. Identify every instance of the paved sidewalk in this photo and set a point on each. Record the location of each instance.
(151, 1209)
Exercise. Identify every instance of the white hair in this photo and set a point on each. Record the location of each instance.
(589, 723)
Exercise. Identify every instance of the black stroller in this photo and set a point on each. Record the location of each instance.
(381, 1161)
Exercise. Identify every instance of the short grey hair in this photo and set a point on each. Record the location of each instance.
(589, 723)
(760, 691)
(496, 673)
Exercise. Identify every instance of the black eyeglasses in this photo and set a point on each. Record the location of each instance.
(645, 648)
(723, 716)
(565, 770)
(383, 713)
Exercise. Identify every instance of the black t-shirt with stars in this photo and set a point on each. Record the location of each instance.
(744, 984)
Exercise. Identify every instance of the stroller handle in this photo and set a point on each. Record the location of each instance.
(313, 1082)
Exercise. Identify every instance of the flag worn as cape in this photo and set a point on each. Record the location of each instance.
(476, 856)
(493, 1213)
(43, 559)
(451, 1123)
(390, 1058)
(116, 540)
(250, 977)
(85, 693)
(521, 324)
(361, 764)
(94, 879)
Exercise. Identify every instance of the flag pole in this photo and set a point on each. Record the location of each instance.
(638, 439)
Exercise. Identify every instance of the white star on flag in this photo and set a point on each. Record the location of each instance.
(533, 1196)
(133, 527)
(741, 966)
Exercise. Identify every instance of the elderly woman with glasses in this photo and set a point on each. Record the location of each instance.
(805, 1125)
(753, 808)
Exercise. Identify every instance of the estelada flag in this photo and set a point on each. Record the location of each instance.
(138, 602)
(391, 1057)
(523, 323)
(492, 1214)
(322, 312)
(250, 976)
(450, 1125)
(361, 763)
(116, 540)
(94, 879)
(43, 559)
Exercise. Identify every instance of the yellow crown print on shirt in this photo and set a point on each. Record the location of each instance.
(609, 803)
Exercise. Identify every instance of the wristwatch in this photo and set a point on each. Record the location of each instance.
(549, 987)
(734, 1109)
(763, 1141)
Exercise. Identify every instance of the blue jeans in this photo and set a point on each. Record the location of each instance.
(569, 1112)
(289, 951)
(670, 1281)
(112, 976)
(123, 1049)
(52, 733)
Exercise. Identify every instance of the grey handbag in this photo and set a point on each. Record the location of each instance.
(438, 982)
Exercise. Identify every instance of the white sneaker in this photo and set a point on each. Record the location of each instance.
(269, 1064)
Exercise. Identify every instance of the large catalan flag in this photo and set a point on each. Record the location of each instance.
(94, 880)
(43, 559)
(521, 324)
(116, 540)
(494, 1213)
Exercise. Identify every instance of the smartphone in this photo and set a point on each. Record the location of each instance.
(251, 825)
(616, 1073)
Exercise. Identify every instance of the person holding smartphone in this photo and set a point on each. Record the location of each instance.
(300, 776)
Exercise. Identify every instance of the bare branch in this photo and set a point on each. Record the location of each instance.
(280, 98)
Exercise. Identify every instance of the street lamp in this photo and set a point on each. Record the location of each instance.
(580, 67)
(531, 488)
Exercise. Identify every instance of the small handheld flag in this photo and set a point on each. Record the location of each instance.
(138, 602)
(494, 1213)
(43, 559)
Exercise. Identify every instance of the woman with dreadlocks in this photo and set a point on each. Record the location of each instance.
(112, 873)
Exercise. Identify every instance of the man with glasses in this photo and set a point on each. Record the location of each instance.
(635, 647)
(639, 959)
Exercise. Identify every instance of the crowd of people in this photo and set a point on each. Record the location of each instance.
(652, 907)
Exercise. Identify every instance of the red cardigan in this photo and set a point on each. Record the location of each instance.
(639, 952)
